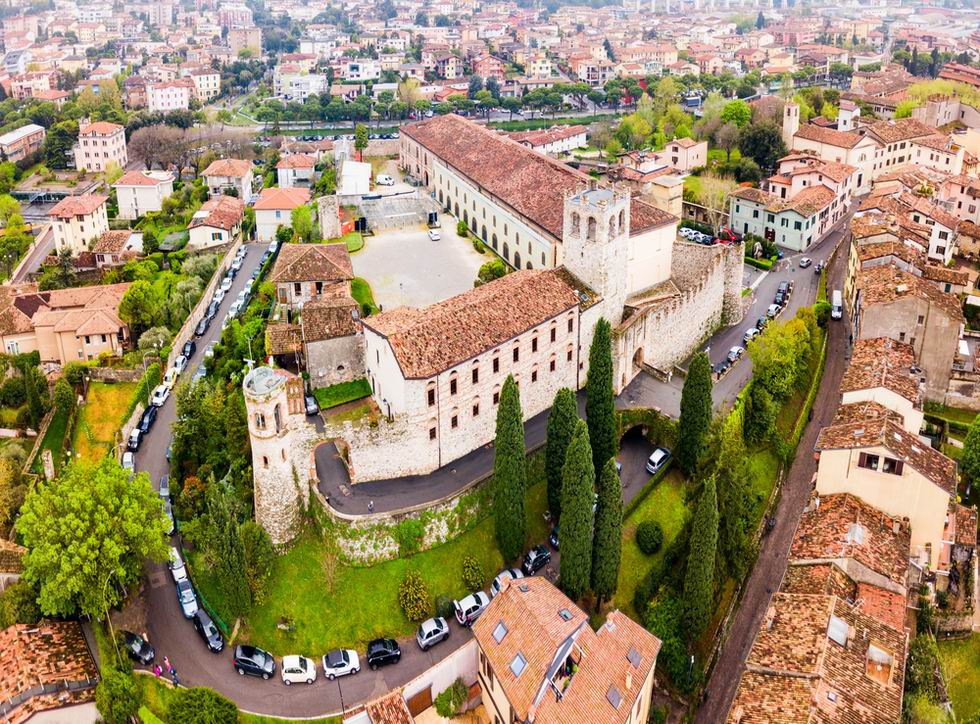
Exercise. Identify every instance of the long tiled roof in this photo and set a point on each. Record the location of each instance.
(429, 340)
(312, 262)
(881, 362)
(830, 136)
(282, 199)
(529, 182)
(229, 167)
(143, 178)
(77, 205)
(901, 129)
(886, 284)
(221, 212)
(806, 203)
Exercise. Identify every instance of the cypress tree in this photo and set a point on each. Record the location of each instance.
(510, 473)
(229, 551)
(561, 425)
(577, 498)
(600, 404)
(607, 541)
(699, 584)
(695, 413)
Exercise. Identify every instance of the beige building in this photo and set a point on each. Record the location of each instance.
(303, 272)
(22, 142)
(99, 145)
(207, 84)
(229, 174)
(217, 222)
(138, 192)
(274, 209)
(78, 220)
(684, 154)
(540, 661)
(63, 325)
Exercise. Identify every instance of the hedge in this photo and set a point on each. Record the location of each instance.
(146, 385)
(647, 489)
(759, 263)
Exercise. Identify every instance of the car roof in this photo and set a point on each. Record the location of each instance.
(381, 645)
(293, 660)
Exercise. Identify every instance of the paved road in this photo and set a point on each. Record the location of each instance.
(774, 550)
(647, 391)
(43, 246)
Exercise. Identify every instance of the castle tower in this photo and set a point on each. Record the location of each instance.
(848, 115)
(791, 122)
(595, 243)
(278, 495)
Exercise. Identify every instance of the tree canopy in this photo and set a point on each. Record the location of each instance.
(510, 473)
(561, 427)
(577, 499)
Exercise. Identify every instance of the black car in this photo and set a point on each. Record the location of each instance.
(209, 632)
(722, 367)
(212, 310)
(149, 417)
(553, 538)
(202, 326)
(779, 299)
(762, 322)
(382, 652)
(190, 347)
(536, 559)
(138, 648)
(254, 661)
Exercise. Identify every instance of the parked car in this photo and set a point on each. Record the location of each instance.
(209, 350)
(555, 537)
(734, 353)
(382, 652)
(384, 180)
(148, 418)
(779, 299)
(202, 326)
(164, 487)
(340, 662)
(213, 307)
(254, 661)
(434, 235)
(129, 463)
(209, 632)
(170, 378)
(762, 322)
(686, 232)
(750, 334)
(312, 408)
(168, 510)
(805, 262)
(818, 267)
(722, 367)
(180, 364)
(138, 648)
(242, 251)
(468, 609)
(774, 310)
(536, 559)
(234, 309)
(727, 235)
(190, 347)
(297, 669)
(200, 372)
(431, 632)
(658, 458)
(506, 575)
(187, 598)
(135, 438)
(237, 263)
(219, 296)
(160, 395)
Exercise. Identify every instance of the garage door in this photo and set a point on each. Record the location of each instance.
(420, 702)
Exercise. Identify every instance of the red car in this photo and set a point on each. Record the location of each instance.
(729, 236)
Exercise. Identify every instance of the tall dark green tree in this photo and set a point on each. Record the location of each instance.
(577, 499)
(561, 425)
(600, 404)
(229, 551)
(699, 581)
(607, 540)
(695, 413)
(726, 458)
(510, 473)
(970, 462)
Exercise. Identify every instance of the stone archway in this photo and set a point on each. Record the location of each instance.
(638, 358)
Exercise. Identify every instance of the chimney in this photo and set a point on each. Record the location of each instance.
(629, 681)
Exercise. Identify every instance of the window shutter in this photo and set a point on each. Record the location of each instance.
(899, 466)
(863, 460)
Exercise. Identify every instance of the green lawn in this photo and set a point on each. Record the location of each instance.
(960, 661)
(327, 397)
(361, 291)
(353, 239)
(718, 154)
(763, 466)
(100, 417)
(666, 505)
(956, 415)
(54, 440)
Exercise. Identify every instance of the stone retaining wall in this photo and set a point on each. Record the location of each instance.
(113, 374)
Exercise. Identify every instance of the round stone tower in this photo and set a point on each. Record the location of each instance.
(278, 492)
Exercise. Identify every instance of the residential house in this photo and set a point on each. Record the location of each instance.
(553, 141)
(217, 222)
(22, 142)
(138, 192)
(685, 154)
(63, 325)
(881, 371)
(207, 83)
(303, 272)
(169, 96)
(927, 225)
(297, 169)
(47, 674)
(539, 660)
(487, 66)
(78, 220)
(99, 145)
(115, 248)
(229, 175)
(274, 208)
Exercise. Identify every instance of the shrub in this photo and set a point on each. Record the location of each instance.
(444, 605)
(64, 396)
(413, 596)
(450, 702)
(201, 706)
(74, 372)
(116, 697)
(461, 228)
(472, 574)
(13, 393)
(478, 246)
(649, 536)
(821, 310)
(409, 535)
(18, 604)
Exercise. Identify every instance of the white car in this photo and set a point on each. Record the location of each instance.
(237, 264)
(209, 350)
(340, 662)
(176, 565)
(434, 235)
(658, 458)
(160, 395)
(234, 309)
(773, 310)
(219, 295)
(129, 463)
(508, 575)
(298, 669)
(384, 180)
(750, 334)
(687, 232)
(180, 364)
(226, 284)
(734, 353)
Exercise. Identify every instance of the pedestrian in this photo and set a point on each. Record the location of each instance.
(175, 679)
(370, 506)
(157, 670)
(166, 664)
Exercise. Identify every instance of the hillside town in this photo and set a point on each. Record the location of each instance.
(569, 361)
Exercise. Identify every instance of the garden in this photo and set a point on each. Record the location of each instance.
(98, 420)
(960, 662)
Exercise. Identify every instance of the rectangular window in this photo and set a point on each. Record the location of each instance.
(496, 364)
(893, 467)
(922, 318)
(571, 324)
(454, 422)
(432, 433)
(431, 397)
(476, 409)
(568, 356)
(517, 354)
(534, 344)
(534, 376)
(867, 460)
(476, 375)
(452, 387)
(496, 398)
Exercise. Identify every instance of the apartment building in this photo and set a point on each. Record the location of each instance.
(100, 145)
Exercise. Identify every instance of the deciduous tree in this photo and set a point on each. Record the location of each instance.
(510, 473)
(607, 541)
(695, 413)
(699, 582)
(577, 499)
(88, 526)
(561, 427)
(970, 462)
(738, 112)
(763, 142)
(116, 696)
(301, 219)
(201, 705)
(600, 403)
(139, 307)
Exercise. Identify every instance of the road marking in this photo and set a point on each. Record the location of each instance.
(157, 579)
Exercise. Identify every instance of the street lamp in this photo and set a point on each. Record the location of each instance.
(145, 355)
(105, 603)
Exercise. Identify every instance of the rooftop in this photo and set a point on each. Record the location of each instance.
(881, 362)
(312, 262)
(888, 284)
(282, 199)
(229, 167)
(77, 205)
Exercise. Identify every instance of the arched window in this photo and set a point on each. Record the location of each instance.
(456, 214)
(259, 421)
(517, 260)
(590, 234)
(612, 227)
(430, 394)
(576, 224)
(278, 420)
(529, 265)
(440, 196)
(453, 383)
(493, 241)
(506, 252)
(475, 372)
(265, 461)
(484, 234)
(466, 217)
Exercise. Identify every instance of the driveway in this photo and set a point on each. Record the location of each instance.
(647, 391)
(406, 268)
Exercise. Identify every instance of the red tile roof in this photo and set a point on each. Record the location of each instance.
(221, 212)
(282, 199)
(832, 137)
(100, 128)
(140, 178)
(230, 167)
(77, 205)
(312, 262)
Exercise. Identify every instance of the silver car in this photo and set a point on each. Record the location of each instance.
(431, 632)
(507, 575)
(187, 598)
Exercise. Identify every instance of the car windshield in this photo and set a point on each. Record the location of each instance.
(337, 658)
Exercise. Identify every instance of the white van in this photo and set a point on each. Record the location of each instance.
(384, 180)
(836, 305)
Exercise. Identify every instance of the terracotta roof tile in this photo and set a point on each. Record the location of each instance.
(11, 556)
(330, 316)
(280, 199)
(966, 525)
(221, 212)
(390, 709)
(902, 129)
(881, 362)
(312, 262)
(830, 136)
(283, 338)
(432, 339)
(865, 410)
(296, 160)
(545, 136)
(100, 128)
(886, 284)
(77, 205)
(112, 241)
(230, 167)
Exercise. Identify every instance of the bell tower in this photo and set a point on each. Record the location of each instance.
(791, 122)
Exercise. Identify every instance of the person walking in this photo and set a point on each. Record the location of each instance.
(166, 664)
(157, 670)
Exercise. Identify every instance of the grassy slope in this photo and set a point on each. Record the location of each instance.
(961, 666)
(361, 291)
(54, 440)
(99, 418)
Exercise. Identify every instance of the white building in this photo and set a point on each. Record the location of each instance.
(298, 85)
(217, 222)
(99, 145)
(296, 169)
(207, 84)
(274, 209)
(229, 174)
(79, 220)
(138, 192)
(170, 95)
